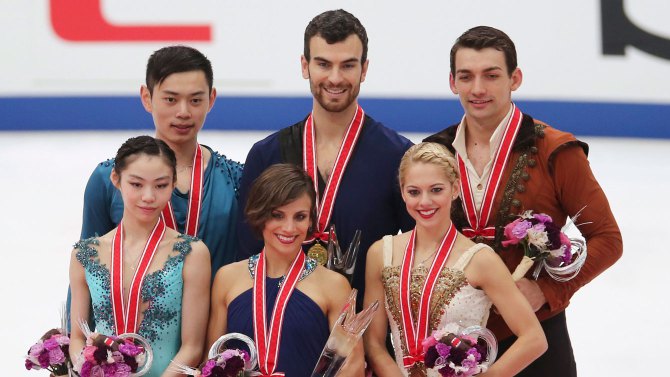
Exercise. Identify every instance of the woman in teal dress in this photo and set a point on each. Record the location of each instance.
(143, 267)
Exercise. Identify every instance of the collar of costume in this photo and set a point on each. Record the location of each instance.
(194, 199)
(325, 204)
(268, 340)
(414, 334)
(125, 318)
(479, 219)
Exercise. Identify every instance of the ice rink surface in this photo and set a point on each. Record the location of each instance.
(616, 322)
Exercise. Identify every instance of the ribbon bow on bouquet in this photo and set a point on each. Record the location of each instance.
(347, 331)
(344, 263)
(543, 242)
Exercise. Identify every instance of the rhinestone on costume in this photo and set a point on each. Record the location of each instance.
(516, 203)
(520, 188)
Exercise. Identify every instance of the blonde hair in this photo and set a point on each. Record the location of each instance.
(429, 153)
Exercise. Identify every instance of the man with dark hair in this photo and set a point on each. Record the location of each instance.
(511, 163)
(179, 94)
(352, 158)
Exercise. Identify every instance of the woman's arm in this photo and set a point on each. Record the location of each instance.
(218, 315)
(195, 306)
(490, 273)
(375, 336)
(337, 290)
(80, 305)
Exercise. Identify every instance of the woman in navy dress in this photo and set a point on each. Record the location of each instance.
(280, 297)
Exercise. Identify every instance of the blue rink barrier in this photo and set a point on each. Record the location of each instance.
(271, 113)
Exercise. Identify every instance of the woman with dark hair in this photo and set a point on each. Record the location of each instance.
(281, 298)
(142, 266)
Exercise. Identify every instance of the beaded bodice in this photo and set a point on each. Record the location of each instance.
(161, 296)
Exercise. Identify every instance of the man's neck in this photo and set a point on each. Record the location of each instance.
(183, 152)
(477, 133)
(331, 126)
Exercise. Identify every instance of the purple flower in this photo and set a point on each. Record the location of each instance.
(430, 356)
(109, 369)
(36, 349)
(50, 344)
(130, 349)
(56, 356)
(86, 369)
(122, 370)
(97, 371)
(43, 359)
(443, 349)
(207, 368)
(234, 365)
(543, 218)
(516, 231)
(29, 364)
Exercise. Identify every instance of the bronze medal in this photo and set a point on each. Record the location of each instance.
(318, 253)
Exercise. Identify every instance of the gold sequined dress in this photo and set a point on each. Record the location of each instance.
(454, 300)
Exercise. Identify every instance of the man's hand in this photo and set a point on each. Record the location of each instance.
(533, 293)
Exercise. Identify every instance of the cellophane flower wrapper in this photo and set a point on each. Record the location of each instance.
(51, 352)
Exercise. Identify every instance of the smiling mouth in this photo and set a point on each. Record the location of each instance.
(427, 213)
(285, 239)
(335, 90)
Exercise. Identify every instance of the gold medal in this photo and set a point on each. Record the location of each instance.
(318, 253)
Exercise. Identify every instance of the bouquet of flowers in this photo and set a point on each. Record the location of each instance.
(51, 352)
(223, 362)
(464, 354)
(115, 356)
(542, 240)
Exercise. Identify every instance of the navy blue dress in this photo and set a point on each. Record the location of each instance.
(304, 332)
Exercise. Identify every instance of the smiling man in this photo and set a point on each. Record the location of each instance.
(178, 94)
(510, 163)
(353, 158)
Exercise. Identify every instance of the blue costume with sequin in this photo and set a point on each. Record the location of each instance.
(103, 206)
(161, 290)
(305, 329)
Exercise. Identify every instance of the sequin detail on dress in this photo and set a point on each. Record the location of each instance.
(310, 266)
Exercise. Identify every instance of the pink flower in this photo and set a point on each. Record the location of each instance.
(50, 344)
(88, 354)
(97, 371)
(516, 231)
(36, 349)
(56, 356)
(122, 370)
(428, 342)
(207, 368)
(542, 217)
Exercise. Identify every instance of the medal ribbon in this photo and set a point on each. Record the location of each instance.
(194, 200)
(125, 319)
(267, 343)
(415, 334)
(325, 205)
(479, 219)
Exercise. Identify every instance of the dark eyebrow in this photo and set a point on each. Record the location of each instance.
(490, 69)
(171, 93)
(142, 179)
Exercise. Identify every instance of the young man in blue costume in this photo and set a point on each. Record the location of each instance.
(359, 189)
(511, 163)
(179, 94)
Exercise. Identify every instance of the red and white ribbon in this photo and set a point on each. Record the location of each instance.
(325, 204)
(415, 334)
(267, 342)
(194, 200)
(125, 318)
(479, 219)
